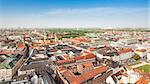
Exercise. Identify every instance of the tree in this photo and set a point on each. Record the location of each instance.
(136, 57)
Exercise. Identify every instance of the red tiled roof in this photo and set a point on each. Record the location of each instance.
(20, 45)
(69, 76)
(89, 64)
(91, 48)
(141, 50)
(5, 52)
(84, 77)
(125, 50)
(88, 56)
(65, 61)
(79, 57)
(88, 75)
(142, 81)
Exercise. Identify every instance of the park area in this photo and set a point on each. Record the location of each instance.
(145, 68)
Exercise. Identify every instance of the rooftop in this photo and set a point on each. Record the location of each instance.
(73, 79)
(125, 50)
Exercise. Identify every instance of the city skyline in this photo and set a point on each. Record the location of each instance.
(75, 13)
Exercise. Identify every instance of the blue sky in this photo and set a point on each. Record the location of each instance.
(74, 13)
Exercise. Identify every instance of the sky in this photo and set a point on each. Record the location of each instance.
(74, 13)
